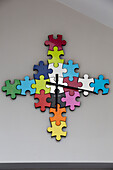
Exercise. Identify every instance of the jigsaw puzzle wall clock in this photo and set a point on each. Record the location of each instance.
(57, 85)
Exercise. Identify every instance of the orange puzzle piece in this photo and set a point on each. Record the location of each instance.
(58, 115)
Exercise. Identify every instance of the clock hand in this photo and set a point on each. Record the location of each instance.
(68, 87)
(56, 91)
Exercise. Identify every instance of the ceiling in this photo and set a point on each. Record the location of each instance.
(100, 10)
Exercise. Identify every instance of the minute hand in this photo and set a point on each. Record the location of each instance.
(68, 87)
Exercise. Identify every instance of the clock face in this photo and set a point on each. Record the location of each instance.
(57, 85)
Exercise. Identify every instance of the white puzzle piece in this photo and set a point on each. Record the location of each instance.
(60, 81)
(57, 70)
(86, 84)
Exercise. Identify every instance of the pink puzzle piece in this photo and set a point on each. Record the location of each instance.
(71, 100)
(55, 42)
(73, 83)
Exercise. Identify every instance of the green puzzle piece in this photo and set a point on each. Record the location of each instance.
(55, 56)
(41, 84)
(11, 88)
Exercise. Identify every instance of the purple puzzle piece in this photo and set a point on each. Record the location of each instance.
(71, 100)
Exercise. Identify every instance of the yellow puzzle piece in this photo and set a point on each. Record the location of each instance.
(55, 56)
(57, 130)
(41, 84)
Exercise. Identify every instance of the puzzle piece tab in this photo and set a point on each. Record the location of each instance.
(58, 115)
(42, 100)
(71, 70)
(57, 130)
(42, 70)
(59, 70)
(55, 42)
(55, 56)
(11, 89)
(71, 100)
(41, 84)
(53, 98)
(86, 84)
(99, 84)
(73, 83)
(26, 86)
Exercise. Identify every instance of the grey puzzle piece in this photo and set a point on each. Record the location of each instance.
(52, 100)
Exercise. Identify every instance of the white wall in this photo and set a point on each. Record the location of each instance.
(24, 26)
(100, 10)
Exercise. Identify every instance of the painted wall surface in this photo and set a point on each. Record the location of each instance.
(24, 26)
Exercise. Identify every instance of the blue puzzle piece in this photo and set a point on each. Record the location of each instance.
(71, 70)
(42, 70)
(26, 86)
(99, 84)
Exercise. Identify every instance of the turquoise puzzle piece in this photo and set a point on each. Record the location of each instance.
(99, 84)
(26, 86)
(71, 70)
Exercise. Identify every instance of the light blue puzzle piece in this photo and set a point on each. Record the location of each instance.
(99, 84)
(26, 86)
(71, 70)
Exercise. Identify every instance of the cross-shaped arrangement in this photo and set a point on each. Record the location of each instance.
(57, 85)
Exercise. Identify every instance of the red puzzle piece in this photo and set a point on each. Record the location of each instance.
(58, 115)
(42, 100)
(55, 42)
(73, 83)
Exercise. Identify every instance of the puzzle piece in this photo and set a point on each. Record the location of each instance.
(11, 88)
(59, 70)
(71, 70)
(42, 100)
(55, 56)
(53, 87)
(58, 115)
(71, 100)
(99, 84)
(55, 42)
(42, 70)
(73, 83)
(86, 84)
(26, 86)
(41, 84)
(53, 97)
(57, 130)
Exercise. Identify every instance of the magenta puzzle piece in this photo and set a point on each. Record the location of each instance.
(71, 100)
(55, 42)
(73, 83)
